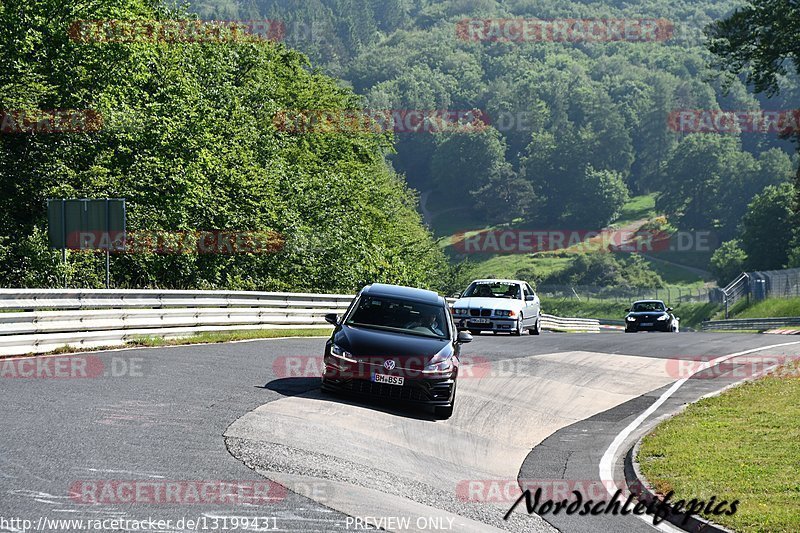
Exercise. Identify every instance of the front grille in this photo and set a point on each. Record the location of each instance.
(382, 390)
(480, 312)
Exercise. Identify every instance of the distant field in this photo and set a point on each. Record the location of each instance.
(637, 208)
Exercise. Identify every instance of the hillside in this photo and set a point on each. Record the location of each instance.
(575, 128)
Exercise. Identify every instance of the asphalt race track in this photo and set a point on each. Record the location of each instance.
(542, 409)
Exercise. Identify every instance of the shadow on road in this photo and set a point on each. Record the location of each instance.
(310, 388)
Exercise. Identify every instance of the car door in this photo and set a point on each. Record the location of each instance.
(533, 308)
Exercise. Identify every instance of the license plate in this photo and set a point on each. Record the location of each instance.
(646, 324)
(389, 380)
(480, 321)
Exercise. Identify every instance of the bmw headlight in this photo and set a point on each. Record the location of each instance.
(503, 312)
(459, 311)
(630, 318)
(339, 352)
(442, 367)
(663, 318)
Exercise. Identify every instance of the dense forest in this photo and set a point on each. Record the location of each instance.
(573, 130)
(596, 127)
(188, 140)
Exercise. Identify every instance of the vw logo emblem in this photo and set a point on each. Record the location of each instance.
(389, 364)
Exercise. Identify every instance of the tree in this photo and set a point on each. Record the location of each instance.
(702, 171)
(767, 228)
(505, 196)
(728, 262)
(191, 140)
(600, 198)
(761, 39)
(465, 161)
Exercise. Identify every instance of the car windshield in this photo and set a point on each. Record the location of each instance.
(643, 307)
(493, 290)
(399, 315)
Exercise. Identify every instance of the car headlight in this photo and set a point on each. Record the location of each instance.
(630, 318)
(502, 312)
(442, 367)
(344, 354)
(662, 318)
(459, 311)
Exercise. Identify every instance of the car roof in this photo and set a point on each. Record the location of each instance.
(509, 281)
(405, 293)
(649, 302)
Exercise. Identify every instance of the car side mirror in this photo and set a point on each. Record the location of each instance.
(669, 309)
(464, 337)
(628, 310)
(332, 318)
(530, 298)
(456, 295)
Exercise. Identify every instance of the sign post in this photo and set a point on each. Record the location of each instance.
(86, 224)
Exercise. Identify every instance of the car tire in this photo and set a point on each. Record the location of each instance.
(537, 329)
(474, 332)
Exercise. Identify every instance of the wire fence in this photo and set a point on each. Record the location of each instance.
(670, 295)
(757, 286)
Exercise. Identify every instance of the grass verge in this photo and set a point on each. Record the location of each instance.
(215, 337)
(742, 445)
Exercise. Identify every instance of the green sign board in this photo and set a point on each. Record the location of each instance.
(86, 224)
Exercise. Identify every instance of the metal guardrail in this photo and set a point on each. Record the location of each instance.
(554, 323)
(51, 319)
(760, 324)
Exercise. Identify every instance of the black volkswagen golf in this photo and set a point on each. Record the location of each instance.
(396, 343)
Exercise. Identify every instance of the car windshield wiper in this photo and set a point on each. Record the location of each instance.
(396, 330)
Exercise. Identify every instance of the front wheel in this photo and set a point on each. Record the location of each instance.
(537, 329)
(518, 331)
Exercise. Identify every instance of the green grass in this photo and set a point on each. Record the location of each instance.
(743, 445)
(507, 266)
(673, 274)
(775, 307)
(572, 308)
(214, 337)
(637, 208)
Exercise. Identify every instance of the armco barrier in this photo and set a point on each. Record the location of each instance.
(760, 324)
(51, 319)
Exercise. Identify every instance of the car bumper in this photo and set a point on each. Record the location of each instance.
(436, 390)
(664, 326)
(495, 325)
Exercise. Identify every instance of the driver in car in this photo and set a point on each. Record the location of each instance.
(426, 321)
